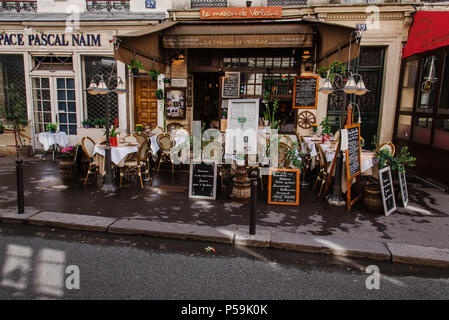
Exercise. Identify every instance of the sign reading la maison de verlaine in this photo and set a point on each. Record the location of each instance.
(50, 39)
(241, 13)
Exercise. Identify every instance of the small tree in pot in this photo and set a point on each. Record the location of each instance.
(16, 114)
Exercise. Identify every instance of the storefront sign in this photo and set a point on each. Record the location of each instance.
(403, 186)
(241, 13)
(427, 86)
(50, 40)
(230, 87)
(181, 83)
(237, 41)
(283, 186)
(203, 180)
(305, 92)
(386, 188)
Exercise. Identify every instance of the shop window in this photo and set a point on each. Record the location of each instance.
(441, 135)
(422, 128)
(427, 85)
(53, 63)
(408, 85)
(404, 127)
(443, 106)
(66, 105)
(12, 74)
(41, 103)
(95, 104)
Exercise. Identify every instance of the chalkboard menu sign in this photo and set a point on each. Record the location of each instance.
(305, 92)
(353, 151)
(231, 85)
(386, 188)
(403, 186)
(283, 186)
(203, 180)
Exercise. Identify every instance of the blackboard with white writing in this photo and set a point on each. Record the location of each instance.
(353, 152)
(403, 186)
(231, 85)
(305, 92)
(283, 186)
(202, 182)
(386, 188)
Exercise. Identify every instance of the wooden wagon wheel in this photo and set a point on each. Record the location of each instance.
(306, 119)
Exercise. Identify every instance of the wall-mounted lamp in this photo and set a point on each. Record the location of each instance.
(221, 73)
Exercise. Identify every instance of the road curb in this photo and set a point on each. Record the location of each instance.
(356, 248)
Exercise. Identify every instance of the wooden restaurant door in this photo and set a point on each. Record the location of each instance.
(146, 102)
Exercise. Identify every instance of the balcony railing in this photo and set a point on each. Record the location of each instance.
(107, 5)
(18, 6)
(286, 3)
(208, 3)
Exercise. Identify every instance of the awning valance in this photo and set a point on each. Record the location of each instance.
(429, 31)
(143, 44)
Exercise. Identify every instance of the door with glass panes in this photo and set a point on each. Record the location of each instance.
(54, 102)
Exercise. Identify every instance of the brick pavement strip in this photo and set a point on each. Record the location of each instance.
(11, 215)
(405, 253)
(71, 221)
(330, 245)
(171, 230)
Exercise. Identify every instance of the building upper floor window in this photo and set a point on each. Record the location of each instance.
(208, 3)
(108, 5)
(285, 3)
(18, 6)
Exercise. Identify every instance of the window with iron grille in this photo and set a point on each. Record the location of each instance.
(208, 3)
(12, 74)
(95, 105)
(285, 3)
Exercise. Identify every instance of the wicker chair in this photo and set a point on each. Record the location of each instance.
(140, 137)
(166, 142)
(387, 145)
(323, 170)
(157, 130)
(287, 140)
(173, 126)
(283, 155)
(88, 144)
(137, 166)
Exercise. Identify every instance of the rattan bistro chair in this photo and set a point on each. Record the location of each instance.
(323, 173)
(138, 165)
(140, 137)
(283, 161)
(88, 145)
(157, 130)
(166, 143)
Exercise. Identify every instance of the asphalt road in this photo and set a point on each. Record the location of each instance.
(34, 263)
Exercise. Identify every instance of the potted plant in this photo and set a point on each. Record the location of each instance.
(325, 130)
(160, 94)
(315, 128)
(51, 127)
(87, 123)
(98, 123)
(102, 122)
(154, 74)
(139, 127)
(270, 112)
(16, 114)
(322, 71)
(67, 162)
(135, 65)
(113, 133)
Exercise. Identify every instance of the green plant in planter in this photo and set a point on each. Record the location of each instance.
(160, 94)
(87, 123)
(336, 67)
(322, 71)
(398, 163)
(325, 127)
(154, 74)
(270, 112)
(52, 127)
(135, 65)
(102, 122)
(295, 156)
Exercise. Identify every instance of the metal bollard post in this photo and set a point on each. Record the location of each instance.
(20, 191)
(252, 215)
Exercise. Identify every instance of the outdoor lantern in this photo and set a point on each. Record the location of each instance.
(121, 89)
(92, 87)
(361, 88)
(327, 87)
(102, 87)
(351, 86)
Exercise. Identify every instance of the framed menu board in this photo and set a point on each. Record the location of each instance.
(230, 86)
(305, 92)
(386, 188)
(203, 180)
(353, 169)
(283, 186)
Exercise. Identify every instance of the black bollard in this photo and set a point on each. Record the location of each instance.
(252, 214)
(20, 192)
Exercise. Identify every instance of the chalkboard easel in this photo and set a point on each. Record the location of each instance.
(305, 92)
(283, 186)
(203, 180)
(353, 162)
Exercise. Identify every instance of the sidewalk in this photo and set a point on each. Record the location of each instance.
(418, 234)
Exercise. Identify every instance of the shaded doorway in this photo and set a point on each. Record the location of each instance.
(207, 99)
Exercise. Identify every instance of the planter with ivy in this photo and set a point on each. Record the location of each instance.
(154, 74)
(135, 66)
(87, 124)
(325, 130)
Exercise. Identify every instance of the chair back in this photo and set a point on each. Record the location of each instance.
(165, 141)
(130, 139)
(304, 143)
(140, 137)
(142, 153)
(173, 126)
(387, 145)
(88, 145)
(282, 155)
(181, 133)
(287, 140)
(322, 157)
(157, 130)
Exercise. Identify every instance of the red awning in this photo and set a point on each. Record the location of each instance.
(430, 30)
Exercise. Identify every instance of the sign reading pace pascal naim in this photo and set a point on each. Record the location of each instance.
(50, 39)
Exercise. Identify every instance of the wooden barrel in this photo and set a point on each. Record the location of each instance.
(242, 189)
(372, 198)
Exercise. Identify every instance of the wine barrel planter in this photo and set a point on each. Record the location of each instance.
(372, 198)
(67, 170)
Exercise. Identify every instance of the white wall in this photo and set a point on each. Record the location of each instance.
(61, 6)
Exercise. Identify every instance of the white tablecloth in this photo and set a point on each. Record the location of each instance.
(118, 153)
(155, 146)
(47, 139)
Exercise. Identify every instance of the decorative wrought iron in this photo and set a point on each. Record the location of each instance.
(367, 102)
(286, 3)
(208, 3)
(370, 57)
(108, 5)
(12, 74)
(18, 6)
